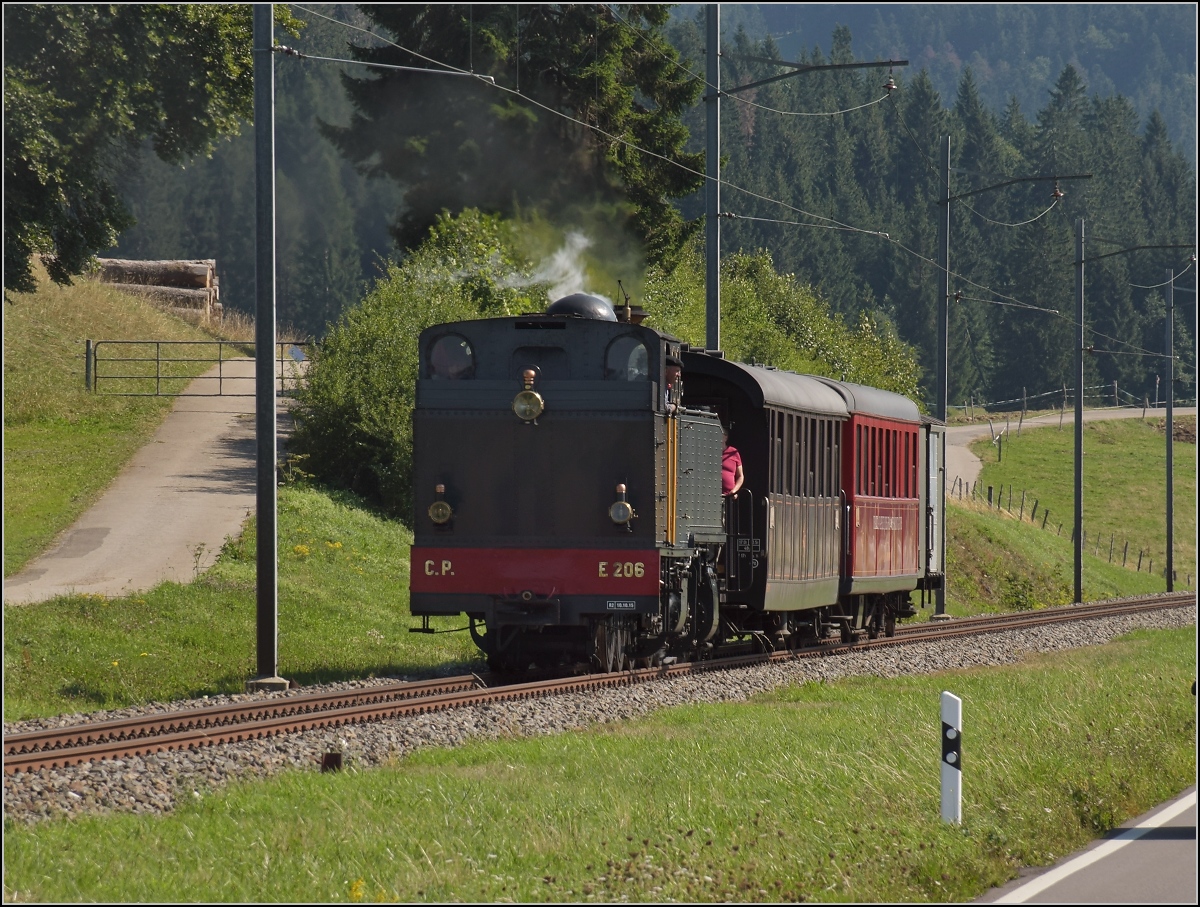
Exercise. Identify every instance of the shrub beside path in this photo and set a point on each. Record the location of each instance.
(170, 510)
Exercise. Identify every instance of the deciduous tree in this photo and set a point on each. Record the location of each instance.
(84, 84)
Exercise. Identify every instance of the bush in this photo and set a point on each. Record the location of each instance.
(354, 415)
(772, 319)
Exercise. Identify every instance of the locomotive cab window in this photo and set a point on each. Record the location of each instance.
(451, 357)
(627, 360)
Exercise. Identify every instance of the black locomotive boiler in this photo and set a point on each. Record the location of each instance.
(568, 495)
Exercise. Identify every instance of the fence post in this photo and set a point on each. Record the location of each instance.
(1145, 404)
(1045, 516)
(951, 759)
(989, 497)
(1139, 560)
(1116, 399)
(1021, 516)
(1060, 529)
(1062, 412)
(1125, 553)
(87, 366)
(1033, 513)
(1111, 542)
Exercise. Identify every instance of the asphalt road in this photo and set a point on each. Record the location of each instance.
(1148, 860)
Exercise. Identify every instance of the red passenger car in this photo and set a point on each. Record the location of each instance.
(882, 487)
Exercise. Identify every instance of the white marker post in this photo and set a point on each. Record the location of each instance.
(951, 759)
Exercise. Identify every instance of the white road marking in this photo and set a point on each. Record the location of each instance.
(1044, 881)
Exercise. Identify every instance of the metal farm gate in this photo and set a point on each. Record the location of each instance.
(172, 368)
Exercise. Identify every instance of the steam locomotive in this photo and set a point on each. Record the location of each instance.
(568, 496)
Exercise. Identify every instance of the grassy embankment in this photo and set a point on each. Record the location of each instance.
(826, 793)
(998, 563)
(62, 444)
(1124, 488)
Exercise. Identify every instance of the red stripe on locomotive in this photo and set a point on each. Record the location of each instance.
(543, 571)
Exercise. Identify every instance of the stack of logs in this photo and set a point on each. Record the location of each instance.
(184, 287)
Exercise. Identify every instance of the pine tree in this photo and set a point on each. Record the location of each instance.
(457, 142)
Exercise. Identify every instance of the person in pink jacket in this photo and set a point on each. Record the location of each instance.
(731, 468)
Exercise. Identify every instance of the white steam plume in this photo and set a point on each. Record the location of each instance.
(564, 270)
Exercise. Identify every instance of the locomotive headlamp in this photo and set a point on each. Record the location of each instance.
(439, 511)
(528, 404)
(621, 512)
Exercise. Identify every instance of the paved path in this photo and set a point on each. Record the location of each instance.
(167, 514)
(961, 463)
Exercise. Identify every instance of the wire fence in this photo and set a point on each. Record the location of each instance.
(187, 368)
(996, 499)
(1096, 396)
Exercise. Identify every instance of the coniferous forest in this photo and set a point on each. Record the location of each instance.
(834, 176)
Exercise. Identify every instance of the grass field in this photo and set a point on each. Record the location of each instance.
(995, 564)
(820, 793)
(343, 596)
(1124, 487)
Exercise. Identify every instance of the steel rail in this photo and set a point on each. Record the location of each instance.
(194, 728)
(225, 714)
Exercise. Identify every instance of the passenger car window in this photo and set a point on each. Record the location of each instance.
(627, 360)
(451, 357)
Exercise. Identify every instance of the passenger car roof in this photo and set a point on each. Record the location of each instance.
(767, 386)
(871, 401)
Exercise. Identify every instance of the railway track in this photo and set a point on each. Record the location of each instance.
(293, 713)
